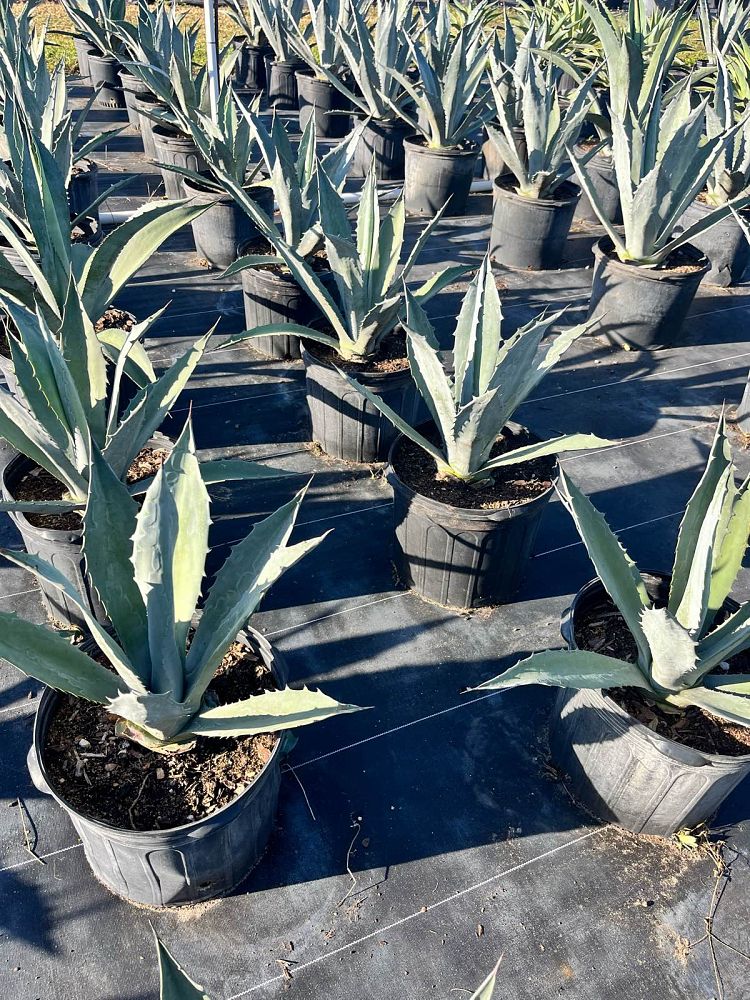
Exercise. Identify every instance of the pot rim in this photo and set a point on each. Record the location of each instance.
(378, 378)
(171, 134)
(54, 534)
(219, 195)
(470, 513)
(450, 152)
(629, 723)
(574, 193)
(610, 259)
(277, 666)
(267, 273)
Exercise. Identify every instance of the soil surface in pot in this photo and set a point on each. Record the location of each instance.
(465, 146)
(318, 261)
(121, 783)
(390, 357)
(38, 484)
(509, 486)
(602, 629)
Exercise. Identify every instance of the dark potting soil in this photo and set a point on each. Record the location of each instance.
(115, 319)
(602, 629)
(509, 486)
(465, 145)
(318, 261)
(112, 779)
(390, 356)
(38, 484)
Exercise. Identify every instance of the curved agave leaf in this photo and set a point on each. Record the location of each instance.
(174, 982)
(149, 407)
(539, 449)
(50, 574)
(697, 541)
(253, 565)
(109, 524)
(569, 668)
(128, 247)
(674, 664)
(729, 638)
(731, 707)
(613, 565)
(51, 659)
(269, 712)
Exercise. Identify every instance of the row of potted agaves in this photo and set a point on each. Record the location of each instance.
(488, 396)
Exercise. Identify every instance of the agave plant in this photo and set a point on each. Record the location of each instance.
(662, 156)
(22, 42)
(245, 16)
(364, 266)
(42, 243)
(679, 645)
(569, 29)
(157, 36)
(38, 107)
(181, 86)
(147, 565)
(492, 378)
(66, 406)
(294, 178)
(319, 43)
(377, 57)
(535, 148)
(279, 21)
(721, 25)
(451, 95)
(101, 21)
(730, 176)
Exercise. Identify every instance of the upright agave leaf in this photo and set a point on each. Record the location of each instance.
(492, 377)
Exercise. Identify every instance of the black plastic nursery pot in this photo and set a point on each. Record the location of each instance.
(271, 296)
(601, 170)
(84, 186)
(82, 47)
(224, 227)
(133, 90)
(642, 307)
(617, 768)
(180, 150)
(530, 233)
(344, 423)
(187, 864)
(59, 547)
(319, 99)
(144, 104)
(725, 245)
(250, 68)
(383, 143)
(104, 76)
(493, 164)
(462, 557)
(281, 89)
(435, 177)
(62, 548)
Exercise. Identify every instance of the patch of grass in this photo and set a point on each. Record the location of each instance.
(53, 14)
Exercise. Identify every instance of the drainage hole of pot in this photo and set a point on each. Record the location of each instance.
(205, 885)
